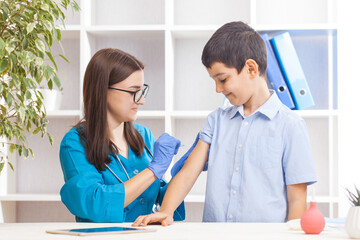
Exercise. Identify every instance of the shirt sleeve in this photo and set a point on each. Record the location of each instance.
(206, 133)
(298, 164)
(84, 192)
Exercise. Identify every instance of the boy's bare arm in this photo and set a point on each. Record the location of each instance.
(179, 187)
(296, 195)
(182, 183)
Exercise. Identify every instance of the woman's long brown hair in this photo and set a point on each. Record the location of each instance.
(107, 67)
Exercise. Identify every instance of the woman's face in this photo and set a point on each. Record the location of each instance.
(120, 105)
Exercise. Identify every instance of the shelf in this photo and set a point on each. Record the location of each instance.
(316, 113)
(64, 113)
(117, 28)
(258, 27)
(205, 31)
(30, 197)
(323, 199)
(70, 28)
(145, 114)
(190, 114)
(151, 114)
(194, 198)
(291, 27)
(302, 113)
(197, 198)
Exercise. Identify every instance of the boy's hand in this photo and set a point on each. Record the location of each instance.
(159, 217)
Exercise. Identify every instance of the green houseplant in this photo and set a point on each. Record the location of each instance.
(352, 225)
(27, 31)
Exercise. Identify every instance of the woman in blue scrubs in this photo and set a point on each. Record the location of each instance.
(113, 167)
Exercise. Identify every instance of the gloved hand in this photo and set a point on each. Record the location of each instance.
(164, 150)
(180, 163)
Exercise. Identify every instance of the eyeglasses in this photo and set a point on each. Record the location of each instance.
(137, 94)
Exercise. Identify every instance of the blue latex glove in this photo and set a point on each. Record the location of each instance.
(180, 163)
(164, 150)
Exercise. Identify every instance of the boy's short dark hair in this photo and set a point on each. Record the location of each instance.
(234, 43)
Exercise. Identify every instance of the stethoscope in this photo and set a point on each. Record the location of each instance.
(156, 206)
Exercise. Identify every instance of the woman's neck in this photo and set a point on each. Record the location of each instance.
(117, 136)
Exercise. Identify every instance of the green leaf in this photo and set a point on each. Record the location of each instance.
(9, 47)
(3, 65)
(30, 27)
(20, 149)
(29, 56)
(63, 57)
(55, 13)
(52, 59)
(25, 43)
(2, 164)
(9, 99)
(27, 94)
(39, 61)
(51, 139)
(12, 148)
(45, 7)
(22, 113)
(5, 16)
(57, 81)
(57, 34)
(26, 152)
(11, 166)
(48, 72)
(40, 45)
(75, 6)
(48, 25)
(50, 84)
(31, 152)
(2, 44)
(36, 131)
(48, 39)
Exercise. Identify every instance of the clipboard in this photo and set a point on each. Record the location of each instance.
(100, 231)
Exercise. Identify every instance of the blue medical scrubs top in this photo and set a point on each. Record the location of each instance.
(98, 196)
(251, 161)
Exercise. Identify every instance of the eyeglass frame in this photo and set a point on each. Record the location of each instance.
(146, 88)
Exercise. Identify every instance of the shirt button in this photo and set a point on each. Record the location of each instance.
(237, 169)
(142, 200)
(240, 145)
(234, 192)
(136, 171)
(230, 216)
(246, 123)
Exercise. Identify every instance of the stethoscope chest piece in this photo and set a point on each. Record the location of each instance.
(156, 207)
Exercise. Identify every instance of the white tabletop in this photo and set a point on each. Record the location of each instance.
(179, 230)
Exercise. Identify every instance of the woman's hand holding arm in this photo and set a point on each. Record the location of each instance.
(165, 148)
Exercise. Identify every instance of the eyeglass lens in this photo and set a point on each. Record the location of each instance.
(142, 92)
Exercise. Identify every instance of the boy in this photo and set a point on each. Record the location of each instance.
(260, 163)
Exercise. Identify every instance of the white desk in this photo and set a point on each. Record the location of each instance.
(183, 231)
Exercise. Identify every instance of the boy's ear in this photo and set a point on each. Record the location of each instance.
(252, 67)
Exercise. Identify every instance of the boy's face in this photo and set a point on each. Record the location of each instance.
(236, 87)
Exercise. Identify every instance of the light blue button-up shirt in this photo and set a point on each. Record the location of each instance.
(252, 160)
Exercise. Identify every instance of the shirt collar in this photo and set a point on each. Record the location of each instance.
(269, 108)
